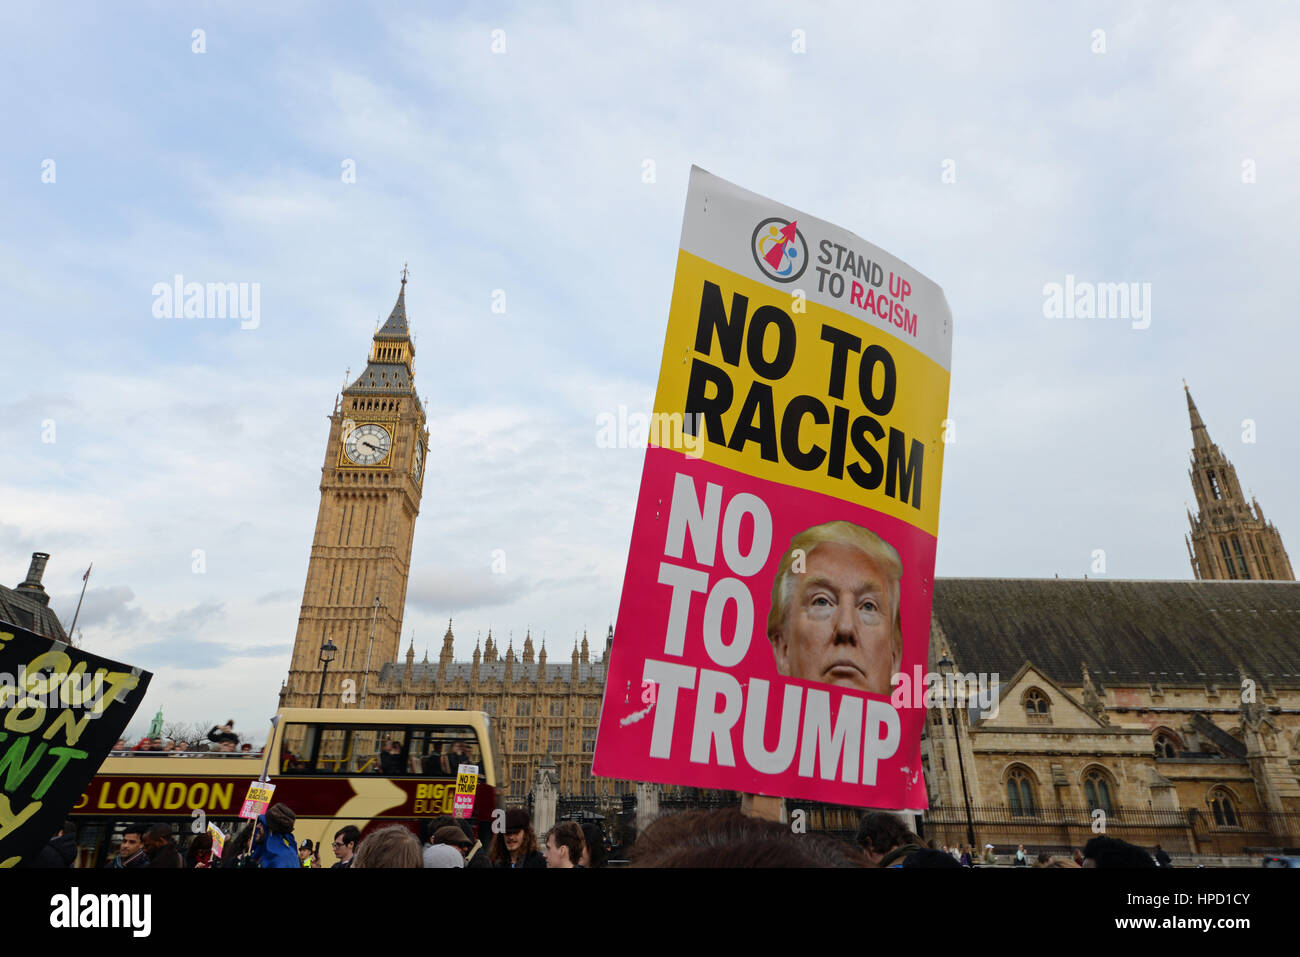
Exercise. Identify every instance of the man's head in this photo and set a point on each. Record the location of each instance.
(1112, 852)
(453, 835)
(345, 842)
(226, 746)
(157, 836)
(517, 826)
(304, 850)
(564, 845)
(879, 832)
(132, 842)
(835, 616)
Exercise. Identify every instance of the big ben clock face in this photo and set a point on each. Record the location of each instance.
(367, 444)
(418, 467)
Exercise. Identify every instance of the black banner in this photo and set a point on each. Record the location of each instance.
(61, 711)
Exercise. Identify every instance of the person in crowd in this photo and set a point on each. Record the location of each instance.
(1078, 856)
(428, 828)
(885, 840)
(564, 844)
(1062, 862)
(392, 846)
(61, 851)
(1110, 852)
(966, 859)
(930, 858)
(273, 841)
(729, 838)
(1043, 859)
(593, 846)
(245, 748)
(517, 847)
(1162, 858)
(456, 756)
(157, 746)
(477, 855)
(453, 836)
(199, 853)
(131, 852)
(161, 846)
(119, 747)
(989, 858)
(237, 851)
(955, 851)
(1020, 858)
(225, 732)
(345, 846)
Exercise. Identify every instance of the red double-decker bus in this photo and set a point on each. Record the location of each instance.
(332, 767)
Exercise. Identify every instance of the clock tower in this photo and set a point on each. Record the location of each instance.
(361, 553)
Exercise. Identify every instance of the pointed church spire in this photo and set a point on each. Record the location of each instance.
(1200, 435)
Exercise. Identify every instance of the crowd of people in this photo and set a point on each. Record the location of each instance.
(220, 740)
(725, 838)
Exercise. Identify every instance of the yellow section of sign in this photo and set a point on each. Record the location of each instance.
(799, 393)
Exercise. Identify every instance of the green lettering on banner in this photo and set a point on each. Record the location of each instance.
(64, 756)
(15, 765)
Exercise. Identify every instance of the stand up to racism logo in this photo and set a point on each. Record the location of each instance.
(779, 249)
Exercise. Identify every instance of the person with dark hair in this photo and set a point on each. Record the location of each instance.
(1112, 852)
(928, 857)
(162, 848)
(1162, 858)
(131, 852)
(273, 842)
(225, 732)
(517, 847)
(729, 838)
(885, 840)
(345, 846)
(392, 846)
(390, 759)
(199, 853)
(564, 844)
(237, 853)
(593, 846)
(1043, 859)
(61, 851)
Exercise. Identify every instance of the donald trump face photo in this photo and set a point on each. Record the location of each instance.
(834, 615)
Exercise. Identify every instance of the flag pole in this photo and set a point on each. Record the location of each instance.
(84, 580)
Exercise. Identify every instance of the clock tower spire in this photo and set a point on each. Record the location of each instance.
(370, 488)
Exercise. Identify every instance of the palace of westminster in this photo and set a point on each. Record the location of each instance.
(1171, 706)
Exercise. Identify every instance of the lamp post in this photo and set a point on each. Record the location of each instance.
(945, 663)
(327, 653)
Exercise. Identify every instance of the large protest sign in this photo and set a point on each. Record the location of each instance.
(61, 711)
(782, 558)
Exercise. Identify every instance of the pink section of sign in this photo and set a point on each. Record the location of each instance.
(692, 699)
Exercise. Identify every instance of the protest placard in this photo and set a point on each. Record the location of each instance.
(61, 711)
(466, 787)
(258, 798)
(782, 557)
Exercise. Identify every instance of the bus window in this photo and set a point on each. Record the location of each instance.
(394, 751)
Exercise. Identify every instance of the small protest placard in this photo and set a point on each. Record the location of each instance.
(466, 786)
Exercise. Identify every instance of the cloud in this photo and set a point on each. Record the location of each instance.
(452, 590)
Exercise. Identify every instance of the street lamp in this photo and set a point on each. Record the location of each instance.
(327, 653)
(945, 663)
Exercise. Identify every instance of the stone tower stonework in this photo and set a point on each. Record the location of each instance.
(1230, 538)
(370, 488)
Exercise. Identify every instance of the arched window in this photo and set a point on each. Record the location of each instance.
(1020, 794)
(1166, 745)
(1223, 809)
(1037, 707)
(1097, 789)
